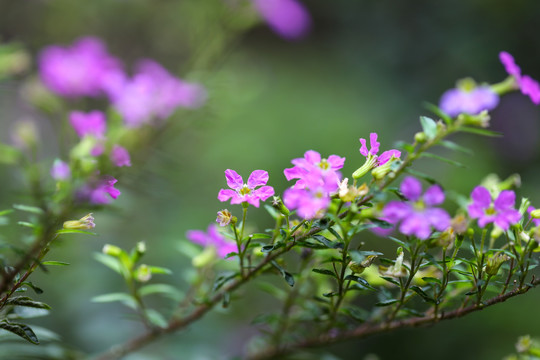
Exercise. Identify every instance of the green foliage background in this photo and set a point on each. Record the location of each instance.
(367, 66)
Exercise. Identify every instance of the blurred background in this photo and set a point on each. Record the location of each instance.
(366, 66)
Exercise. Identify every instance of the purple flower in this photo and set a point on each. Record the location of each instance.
(152, 93)
(468, 101)
(374, 150)
(92, 123)
(78, 70)
(288, 18)
(326, 169)
(246, 192)
(120, 156)
(527, 85)
(96, 192)
(418, 215)
(501, 211)
(212, 237)
(60, 170)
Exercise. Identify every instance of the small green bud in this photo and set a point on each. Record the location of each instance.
(482, 119)
(279, 206)
(420, 137)
(143, 273)
(535, 214)
(84, 223)
(470, 232)
(112, 250)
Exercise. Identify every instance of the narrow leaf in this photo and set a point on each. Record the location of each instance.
(21, 330)
(26, 301)
(27, 208)
(386, 302)
(480, 131)
(421, 175)
(453, 146)
(57, 263)
(324, 272)
(287, 276)
(75, 231)
(442, 158)
(124, 298)
(429, 126)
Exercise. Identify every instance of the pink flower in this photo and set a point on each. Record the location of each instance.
(418, 216)
(212, 237)
(313, 163)
(374, 150)
(120, 156)
(152, 93)
(92, 123)
(468, 101)
(60, 170)
(78, 70)
(288, 18)
(246, 192)
(96, 192)
(311, 200)
(527, 85)
(501, 212)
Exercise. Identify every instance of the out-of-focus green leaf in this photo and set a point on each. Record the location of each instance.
(479, 131)
(386, 302)
(124, 298)
(75, 231)
(325, 272)
(28, 208)
(453, 146)
(443, 159)
(286, 275)
(156, 318)
(26, 301)
(429, 126)
(164, 289)
(57, 263)
(8, 154)
(21, 330)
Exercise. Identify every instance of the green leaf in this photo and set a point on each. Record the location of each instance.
(429, 126)
(453, 146)
(286, 275)
(361, 227)
(223, 279)
(6, 212)
(124, 298)
(53, 263)
(273, 212)
(422, 293)
(156, 318)
(437, 111)
(36, 289)
(325, 272)
(361, 281)
(75, 231)
(327, 242)
(386, 302)
(27, 208)
(164, 289)
(479, 131)
(27, 224)
(159, 270)
(441, 158)
(26, 301)
(260, 236)
(21, 330)
(356, 313)
(110, 262)
(391, 280)
(359, 256)
(429, 279)
(267, 248)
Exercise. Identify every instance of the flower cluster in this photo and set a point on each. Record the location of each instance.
(526, 84)
(468, 98)
(317, 180)
(372, 159)
(501, 212)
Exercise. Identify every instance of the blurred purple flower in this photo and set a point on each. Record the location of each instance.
(212, 237)
(78, 70)
(246, 192)
(287, 18)
(468, 101)
(312, 163)
(374, 150)
(151, 93)
(60, 170)
(418, 215)
(96, 191)
(92, 123)
(501, 212)
(527, 85)
(120, 156)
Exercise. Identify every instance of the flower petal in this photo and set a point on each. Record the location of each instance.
(411, 188)
(226, 194)
(263, 193)
(374, 144)
(481, 197)
(257, 178)
(434, 195)
(336, 162)
(509, 64)
(387, 155)
(312, 157)
(234, 181)
(505, 200)
(363, 149)
(438, 218)
(198, 237)
(394, 211)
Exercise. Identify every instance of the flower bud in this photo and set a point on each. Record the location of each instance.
(535, 214)
(84, 223)
(112, 250)
(364, 169)
(224, 217)
(420, 137)
(481, 119)
(359, 267)
(277, 203)
(206, 257)
(523, 344)
(459, 223)
(446, 238)
(143, 273)
(349, 193)
(494, 263)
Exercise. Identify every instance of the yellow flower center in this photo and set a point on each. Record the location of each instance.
(324, 164)
(245, 190)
